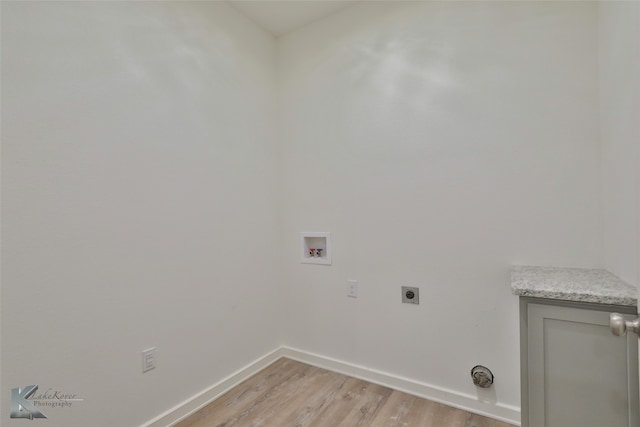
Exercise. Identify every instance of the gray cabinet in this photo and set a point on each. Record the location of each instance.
(575, 372)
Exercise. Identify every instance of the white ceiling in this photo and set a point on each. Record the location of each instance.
(279, 17)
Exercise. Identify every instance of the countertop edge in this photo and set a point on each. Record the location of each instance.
(594, 285)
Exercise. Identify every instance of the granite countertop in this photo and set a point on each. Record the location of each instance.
(572, 284)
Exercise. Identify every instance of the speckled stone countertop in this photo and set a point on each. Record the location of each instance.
(572, 284)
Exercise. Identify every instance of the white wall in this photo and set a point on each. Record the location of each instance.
(139, 188)
(619, 43)
(440, 142)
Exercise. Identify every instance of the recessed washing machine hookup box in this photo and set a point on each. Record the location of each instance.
(315, 247)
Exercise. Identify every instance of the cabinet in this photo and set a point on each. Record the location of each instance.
(574, 371)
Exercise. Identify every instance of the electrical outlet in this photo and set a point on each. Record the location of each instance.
(352, 288)
(149, 359)
(410, 295)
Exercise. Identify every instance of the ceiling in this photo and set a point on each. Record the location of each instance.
(279, 17)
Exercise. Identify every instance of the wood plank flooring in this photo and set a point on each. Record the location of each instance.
(292, 394)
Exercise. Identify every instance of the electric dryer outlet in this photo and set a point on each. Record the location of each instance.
(410, 295)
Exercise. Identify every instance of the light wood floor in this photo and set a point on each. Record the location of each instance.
(293, 394)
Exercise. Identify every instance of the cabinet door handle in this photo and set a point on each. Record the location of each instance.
(619, 326)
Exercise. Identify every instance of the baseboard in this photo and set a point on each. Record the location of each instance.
(506, 413)
(202, 399)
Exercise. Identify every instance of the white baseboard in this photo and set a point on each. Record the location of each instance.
(506, 413)
(202, 399)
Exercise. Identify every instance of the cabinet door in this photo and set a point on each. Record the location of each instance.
(579, 374)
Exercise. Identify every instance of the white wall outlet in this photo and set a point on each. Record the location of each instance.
(352, 288)
(149, 359)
